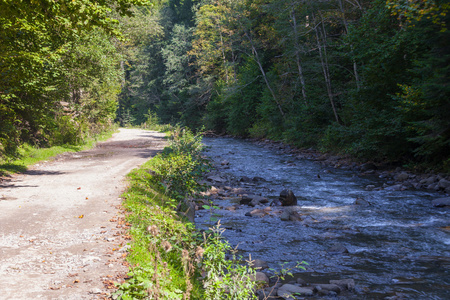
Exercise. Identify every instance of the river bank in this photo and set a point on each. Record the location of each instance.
(397, 178)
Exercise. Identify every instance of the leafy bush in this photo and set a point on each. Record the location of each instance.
(225, 279)
(183, 141)
(176, 174)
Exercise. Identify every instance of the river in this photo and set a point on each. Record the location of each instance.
(398, 244)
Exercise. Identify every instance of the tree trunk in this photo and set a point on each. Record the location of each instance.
(223, 55)
(263, 73)
(325, 68)
(355, 66)
(297, 56)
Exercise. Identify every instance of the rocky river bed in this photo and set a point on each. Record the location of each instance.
(365, 233)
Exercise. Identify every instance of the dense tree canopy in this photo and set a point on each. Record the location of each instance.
(59, 69)
(368, 78)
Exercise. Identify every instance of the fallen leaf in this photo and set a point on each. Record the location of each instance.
(79, 188)
(80, 216)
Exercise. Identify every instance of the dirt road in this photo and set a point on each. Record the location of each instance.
(58, 235)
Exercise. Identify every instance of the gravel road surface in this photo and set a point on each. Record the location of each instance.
(61, 232)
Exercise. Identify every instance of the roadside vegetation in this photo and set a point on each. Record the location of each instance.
(28, 154)
(169, 258)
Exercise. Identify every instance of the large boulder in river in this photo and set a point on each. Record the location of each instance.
(287, 198)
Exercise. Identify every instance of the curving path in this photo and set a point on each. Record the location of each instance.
(59, 235)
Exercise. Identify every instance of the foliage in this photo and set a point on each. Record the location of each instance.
(57, 59)
(163, 247)
(367, 78)
(174, 174)
(167, 254)
(225, 278)
(183, 141)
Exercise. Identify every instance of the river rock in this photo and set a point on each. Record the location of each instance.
(348, 284)
(259, 264)
(286, 291)
(230, 208)
(441, 202)
(256, 200)
(285, 216)
(361, 201)
(239, 191)
(260, 277)
(253, 203)
(245, 179)
(287, 198)
(402, 176)
(245, 199)
(397, 187)
(444, 184)
(433, 186)
(367, 166)
(329, 287)
(216, 178)
(369, 187)
(259, 213)
(256, 179)
(429, 180)
(290, 214)
(332, 290)
(337, 248)
(213, 190)
(301, 281)
(268, 293)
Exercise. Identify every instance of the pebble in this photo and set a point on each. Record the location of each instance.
(96, 291)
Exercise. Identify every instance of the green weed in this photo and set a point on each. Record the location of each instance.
(168, 256)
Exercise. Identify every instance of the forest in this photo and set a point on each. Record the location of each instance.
(365, 78)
